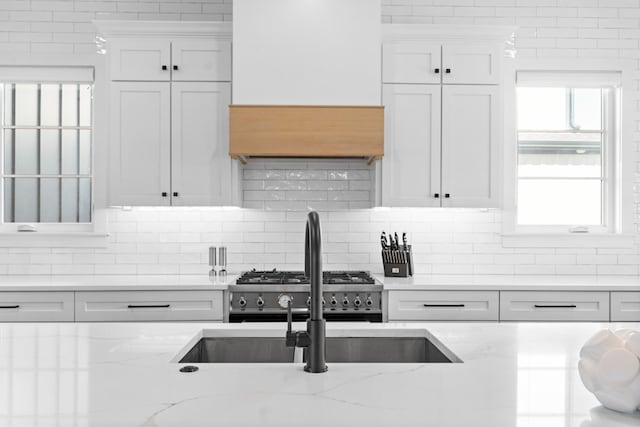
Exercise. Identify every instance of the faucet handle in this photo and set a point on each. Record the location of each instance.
(295, 338)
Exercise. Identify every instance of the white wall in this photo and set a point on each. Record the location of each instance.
(445, 241)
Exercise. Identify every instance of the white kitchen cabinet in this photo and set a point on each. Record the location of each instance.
(441, 145)
(36, 306)
(170, 144)
(554, 306)
(151, 306)
(136, 59)
(443, 305)
(140, 143)
(411, 163)
(426, 62)
(625, 306)
(470, 146)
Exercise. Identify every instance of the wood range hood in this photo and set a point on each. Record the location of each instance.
(306, 131)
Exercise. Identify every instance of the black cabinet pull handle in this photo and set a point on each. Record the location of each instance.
(149, 306)
(175, 67)
(554, 306)
(447, 195)
(164, 194)
(437, 195)
(448, 71)
(175, 194)
(164, 68)
(443, 305)
(9, 306)
(437, 71)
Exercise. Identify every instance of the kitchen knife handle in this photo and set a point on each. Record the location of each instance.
(444, 305)
(9, 306)
(149, 306)
(554, 306)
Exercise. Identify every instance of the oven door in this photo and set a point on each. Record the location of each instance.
(329, 316)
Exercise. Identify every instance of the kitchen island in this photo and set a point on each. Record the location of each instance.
(125, 374)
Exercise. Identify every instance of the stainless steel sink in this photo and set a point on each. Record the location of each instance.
(360, 349)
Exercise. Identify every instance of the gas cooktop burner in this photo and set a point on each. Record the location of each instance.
(272, 277)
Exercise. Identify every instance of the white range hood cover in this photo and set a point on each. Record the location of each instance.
(306, 52)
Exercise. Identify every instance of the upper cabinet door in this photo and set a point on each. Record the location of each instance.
(411, 62)
(470, 146)
(201, 60)
(411, 162)
(140, 144)
(135, 59)
(201, 166)
(468, 63)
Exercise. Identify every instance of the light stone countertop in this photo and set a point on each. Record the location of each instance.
(107, 282)
(512, 282)
(122, 374)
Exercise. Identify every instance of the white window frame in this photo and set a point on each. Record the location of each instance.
(66, 235)
(619, 206)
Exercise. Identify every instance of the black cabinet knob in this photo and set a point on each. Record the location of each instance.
(446, 195)
(164, 68)
(437, 71)
(175, 194)
(448, 71)
(164, 194)
(437, 195)
(175, 67)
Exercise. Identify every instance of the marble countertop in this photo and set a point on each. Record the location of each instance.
(115, 282)
(122, 374)
(512, 282)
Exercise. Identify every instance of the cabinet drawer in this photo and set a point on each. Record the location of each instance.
(443, 305)
(128, 306)
(625, 306)
(36, 306)
(554, 306)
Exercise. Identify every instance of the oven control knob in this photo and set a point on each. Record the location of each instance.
(309, 301)
(345, 301)
(260, 302)
(284, 299)
(357, 301)
(242, 302)
(334, 301)
(369, 301)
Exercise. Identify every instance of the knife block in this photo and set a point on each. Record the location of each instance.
(397, 263)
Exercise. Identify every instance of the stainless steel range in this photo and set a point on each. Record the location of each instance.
(262, 296)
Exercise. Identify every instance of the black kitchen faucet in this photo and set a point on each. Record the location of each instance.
(314, 338)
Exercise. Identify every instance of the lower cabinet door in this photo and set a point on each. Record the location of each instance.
(443, 305)
(625, 306)
(36, 306)
(554, 306)
(152, 306)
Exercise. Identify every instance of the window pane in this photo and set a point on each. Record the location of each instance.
(26, 105)
(8, 152)
(69, 105)
(26, 152)
(587, 108)
(69, 152)
(542, 108)
(50, 152)
(557, 202)
(69, 200)
(50, 200)
(86, 94)
(8, 93)
(26, 199)
(8, 200)
(84, 208)
(85, 152)
(50, 105)
(565, 154)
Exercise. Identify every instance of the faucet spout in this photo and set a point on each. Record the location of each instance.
(316, 325)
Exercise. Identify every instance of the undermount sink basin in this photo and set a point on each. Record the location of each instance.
(340, 349)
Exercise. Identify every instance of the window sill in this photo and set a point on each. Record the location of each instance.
(44, 239)
(547, 240)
